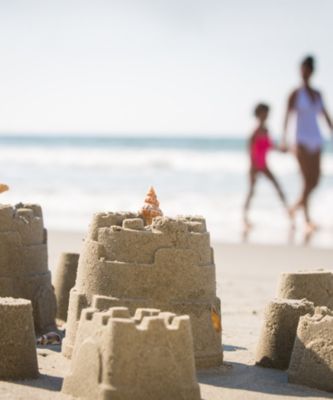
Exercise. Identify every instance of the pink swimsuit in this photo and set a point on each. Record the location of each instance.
(260, 146)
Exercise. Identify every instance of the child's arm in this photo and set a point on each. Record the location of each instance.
(249, 146)
(250, 142)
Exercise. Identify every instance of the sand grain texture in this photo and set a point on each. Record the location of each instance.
(243, 295)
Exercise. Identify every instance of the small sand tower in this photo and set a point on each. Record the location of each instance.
(18, 358)
(311, 362)
(279, 331)
(64, 280)
(168, 265)
(151, 353)
(23, 262)
(315, 286)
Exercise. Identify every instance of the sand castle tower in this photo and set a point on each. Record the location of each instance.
(312, 358)
(151, 353)
(279, 331)
(18, 358)
(64, 280)
(168, 265)
(23, 262)
(315, 286)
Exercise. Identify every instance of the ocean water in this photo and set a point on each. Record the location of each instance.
(73, 177)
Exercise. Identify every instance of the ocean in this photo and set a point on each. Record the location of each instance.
(74, 177)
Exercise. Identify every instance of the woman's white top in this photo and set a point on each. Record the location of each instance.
(307, 128)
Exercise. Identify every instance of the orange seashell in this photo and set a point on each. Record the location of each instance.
(150, 209)
(216, 319)
(3, 188)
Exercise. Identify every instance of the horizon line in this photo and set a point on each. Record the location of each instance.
(118, 135)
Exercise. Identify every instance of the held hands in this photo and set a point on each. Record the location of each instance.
(283, 147)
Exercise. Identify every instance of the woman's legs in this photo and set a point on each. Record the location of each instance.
(309, 163)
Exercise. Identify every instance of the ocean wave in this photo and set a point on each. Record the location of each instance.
(233, 162)
(73, 182)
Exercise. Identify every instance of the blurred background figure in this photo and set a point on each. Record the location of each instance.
(307, 103)
(260, 144)
(100, 100)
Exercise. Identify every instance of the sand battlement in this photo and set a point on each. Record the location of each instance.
(20, 211)
(106, 220)
(129, 241)
(132, 221)
(143, 320)
(26, 220)
(159, 342)
(320, 315)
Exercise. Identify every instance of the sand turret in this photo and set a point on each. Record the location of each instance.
(312, 358)
(18, 358)
(168, 265)
(23, 262)
(315, 286)
(64, 280)
(151, 353)
(279, 331)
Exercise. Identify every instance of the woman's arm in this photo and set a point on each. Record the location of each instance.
(290, 108)
(328, 119)
(325, 114)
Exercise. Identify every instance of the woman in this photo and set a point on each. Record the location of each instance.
(307, 103)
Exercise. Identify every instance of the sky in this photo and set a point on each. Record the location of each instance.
(153, 67)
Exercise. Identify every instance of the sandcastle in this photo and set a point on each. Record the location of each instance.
(299, 293)
(279, 332)
(312, 358)
(315, 286)
(151, 356)
(168, 265)
(23, 262)
(64, 281)
(18, 358)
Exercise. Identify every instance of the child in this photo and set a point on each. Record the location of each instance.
(259, 145)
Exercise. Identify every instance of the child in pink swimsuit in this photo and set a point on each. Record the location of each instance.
(259, 146)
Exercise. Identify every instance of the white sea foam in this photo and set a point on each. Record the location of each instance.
(72, 182)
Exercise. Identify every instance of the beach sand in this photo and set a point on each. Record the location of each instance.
(247, 277)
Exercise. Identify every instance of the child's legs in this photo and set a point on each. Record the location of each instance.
(272, 178)
(253, 179)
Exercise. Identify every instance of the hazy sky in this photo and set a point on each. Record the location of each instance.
(156, 66)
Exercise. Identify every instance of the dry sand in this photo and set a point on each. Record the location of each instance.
(247, 277)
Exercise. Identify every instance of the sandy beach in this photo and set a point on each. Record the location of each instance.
(247, 277)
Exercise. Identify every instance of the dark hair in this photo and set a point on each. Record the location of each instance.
(309, 62)
(259, 108)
